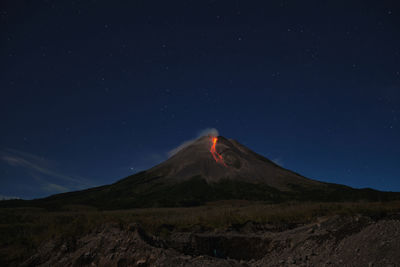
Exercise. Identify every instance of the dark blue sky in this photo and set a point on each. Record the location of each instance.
(92, 91)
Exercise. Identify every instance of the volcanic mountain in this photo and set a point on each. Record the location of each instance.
(238, 163)
(209, 169)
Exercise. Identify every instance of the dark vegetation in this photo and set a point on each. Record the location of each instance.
(22, 230)
(144, 191)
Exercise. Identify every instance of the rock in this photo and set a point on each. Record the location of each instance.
(186, 257)
(141, 262)
(64, 248)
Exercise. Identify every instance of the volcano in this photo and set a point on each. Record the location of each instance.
(231, 161)
(210, 169)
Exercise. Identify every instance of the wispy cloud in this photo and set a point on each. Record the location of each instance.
(204, 132)
(278, 161)
(43, 171)
(2, 197)
(145, 161)
(54, 188)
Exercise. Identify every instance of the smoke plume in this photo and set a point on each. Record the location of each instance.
(204, 132)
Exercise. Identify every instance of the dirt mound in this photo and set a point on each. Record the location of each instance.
(334, 241)
(112, 245)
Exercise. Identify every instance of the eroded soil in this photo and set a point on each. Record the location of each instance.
(333, 241)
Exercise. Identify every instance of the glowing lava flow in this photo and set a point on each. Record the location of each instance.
(218, 158)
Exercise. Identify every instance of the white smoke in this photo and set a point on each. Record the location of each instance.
(204, 132)
(208, 131)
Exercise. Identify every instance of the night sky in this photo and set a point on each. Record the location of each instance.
(93, 91)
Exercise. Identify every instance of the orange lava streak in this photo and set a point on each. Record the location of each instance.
(218, 157)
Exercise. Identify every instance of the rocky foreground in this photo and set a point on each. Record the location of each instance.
(330, 241)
